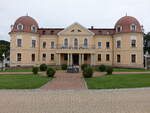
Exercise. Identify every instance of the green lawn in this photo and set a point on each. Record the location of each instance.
(119, 81)
(126, 70)
(18, 70)
(21, 81)
(129, 70)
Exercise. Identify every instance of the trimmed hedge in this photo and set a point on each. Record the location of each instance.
(35, 70)
(50, 72)
(84, 66)
(109, 70)
(43, 67)
(102, 68)
(64, 67)
(88, 72)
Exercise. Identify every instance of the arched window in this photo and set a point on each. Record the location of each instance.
(33, 28)
(76, 43)
(20, 27)
(85, 42)
(66, 42)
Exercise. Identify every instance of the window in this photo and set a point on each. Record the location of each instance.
(19, 57)
(33, 43)
(85, 42)
(33, 57)
(118, 43)
(33, 28)
(107, 45)
(133, 27)
(99, 44)
(65, 57)
(52, 45)
(20, 27)
(107, 57)
(52, 57)
(118, 28)
(133, 58)
(99, 57)
(133, 43)
(66, 42)
(118, 58)
(19, 42)
(44, 44)
(76, 43)
(44, 57)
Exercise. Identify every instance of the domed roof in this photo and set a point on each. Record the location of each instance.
(27, 23)
(126, 22)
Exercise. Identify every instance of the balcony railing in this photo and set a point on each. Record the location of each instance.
(75, 47)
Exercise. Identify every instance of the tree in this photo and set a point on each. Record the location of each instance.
(4, 49)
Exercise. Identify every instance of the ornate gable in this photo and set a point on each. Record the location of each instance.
(76, 30)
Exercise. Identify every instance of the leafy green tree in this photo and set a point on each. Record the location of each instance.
(147, 43)
(4, 48)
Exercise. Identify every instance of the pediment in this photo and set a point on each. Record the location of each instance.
(76, 30)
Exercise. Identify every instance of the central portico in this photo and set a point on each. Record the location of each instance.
(75, 58)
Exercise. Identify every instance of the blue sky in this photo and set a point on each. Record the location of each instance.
(62, 13)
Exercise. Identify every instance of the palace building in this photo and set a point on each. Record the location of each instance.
(121, 46)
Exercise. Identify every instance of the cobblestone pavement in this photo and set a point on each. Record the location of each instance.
(85, 101)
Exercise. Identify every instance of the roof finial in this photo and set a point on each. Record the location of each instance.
(126, 14)
(27, 14)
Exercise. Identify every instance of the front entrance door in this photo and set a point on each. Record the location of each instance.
(75, 59)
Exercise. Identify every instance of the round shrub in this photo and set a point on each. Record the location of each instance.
(109, 70)
(64, 67)
(43, 67)
(35, 70)
(50, 72)
(102, 68)
(84, 66)
(88, 72)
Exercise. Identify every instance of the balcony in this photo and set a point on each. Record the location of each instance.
(80, 47)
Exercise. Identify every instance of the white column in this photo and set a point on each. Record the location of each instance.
(91, 59)
(59, 59)
(94, 59)
(68, 60)
(82, 58)
(71, 59)
(80, 61)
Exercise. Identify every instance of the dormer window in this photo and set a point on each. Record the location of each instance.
(20, 27)
(133, 27)
(119, 28)
(33, 28)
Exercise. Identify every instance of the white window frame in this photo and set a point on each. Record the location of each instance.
(99, 47)
(34, 27)
(131, 27)
(22, 27)
(17, 57)
(117, 28)
(34, 38)
(133, 38)
(74, 42)
(84, 43)
(67, 42)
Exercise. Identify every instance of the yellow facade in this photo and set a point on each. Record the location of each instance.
(73, 55)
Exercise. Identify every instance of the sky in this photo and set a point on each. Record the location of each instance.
(62, 13)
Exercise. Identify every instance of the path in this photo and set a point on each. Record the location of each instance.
(66, 81)
(85, 101)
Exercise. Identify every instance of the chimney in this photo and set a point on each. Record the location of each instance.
(92, 27)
